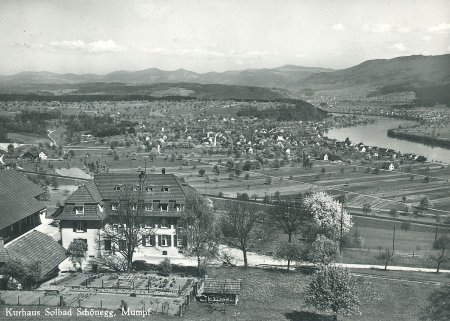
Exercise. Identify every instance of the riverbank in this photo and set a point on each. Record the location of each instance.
(423, 139)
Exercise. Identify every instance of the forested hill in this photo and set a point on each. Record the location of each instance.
(292, 110)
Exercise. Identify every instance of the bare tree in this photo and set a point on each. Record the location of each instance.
(440, 252)
(242, 225)
(197, 229)
(126, 227)
(288, 216)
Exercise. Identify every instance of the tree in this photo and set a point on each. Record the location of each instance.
(201, 172)
(440, 252)
(77, 251)
(438, 308)
(165, 267)
(393, 212)
(54, 182)
(241, 226)
(27, 273)
(10, 148)
(333, 289)
(367, 208)
(386, 257)
(289, 251)
(127, 226)
(323, 251)
(323, 170)
(328, 217)
(197, 229)
(425, 204)
(287, 215)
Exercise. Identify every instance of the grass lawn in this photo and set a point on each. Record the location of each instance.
(277, 295)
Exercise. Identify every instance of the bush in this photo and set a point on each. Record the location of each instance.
(165, 267)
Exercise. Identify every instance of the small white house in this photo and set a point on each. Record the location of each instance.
(42, 156)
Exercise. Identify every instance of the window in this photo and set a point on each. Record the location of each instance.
(114, 206)
(107, 245)
(79, 227)
(100, 208)
(164, 207)
(134, 207)
(165, 188)
(122, 245)
(164, 223)
(118, 188)
(136, 188)
(148, 207)
(150, 188)
(178, 207)
(164, 241)
(79, 210)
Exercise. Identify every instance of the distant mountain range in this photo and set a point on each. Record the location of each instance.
(377, 77)
(283, 77)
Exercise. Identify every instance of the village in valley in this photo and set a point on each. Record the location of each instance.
(286, 193)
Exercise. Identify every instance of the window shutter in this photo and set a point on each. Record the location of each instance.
(169, 240)
(159, 240)
(74, 226)
(152, 240)
(144, 240)
(84, 227)
(175, 241)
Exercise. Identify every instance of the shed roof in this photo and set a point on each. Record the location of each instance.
(217, 286)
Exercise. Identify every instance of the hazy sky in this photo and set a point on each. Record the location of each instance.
(95, 36)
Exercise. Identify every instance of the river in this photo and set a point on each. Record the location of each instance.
(376, 135)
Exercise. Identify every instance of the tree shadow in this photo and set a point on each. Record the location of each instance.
(307, 316)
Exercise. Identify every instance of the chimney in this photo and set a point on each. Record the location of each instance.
(163, 171)
(2, 244)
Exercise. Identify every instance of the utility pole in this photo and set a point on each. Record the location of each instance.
(342, 218)
(393, 241)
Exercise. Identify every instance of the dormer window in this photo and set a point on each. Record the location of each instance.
(134, 207)
(150, 188)
(164, 207)
(165, 188)
(136, 188)
(118, 188)
(114, 206)
(79, 210)
(178, 207)
(148, 207)
(100, 207)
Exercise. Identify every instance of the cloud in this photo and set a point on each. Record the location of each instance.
(400, 47)
(448, 48)
(403, 29)
(27, 45)
(426, 38)
(440, 28)
(92, 47)
(376, 28)
(151, 9)
(209, 53)
(338, 27)
(183, 52)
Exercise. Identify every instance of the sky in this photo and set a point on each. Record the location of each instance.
(101, 36)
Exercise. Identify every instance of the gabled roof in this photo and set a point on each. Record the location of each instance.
(37, 246)
(102, 191)
(87, 193)
(177, 190)
(228, 286)
(17, 197)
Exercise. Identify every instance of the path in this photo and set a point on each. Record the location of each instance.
(49, 131)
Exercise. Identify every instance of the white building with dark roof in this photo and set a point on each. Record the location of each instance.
(91, 206)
